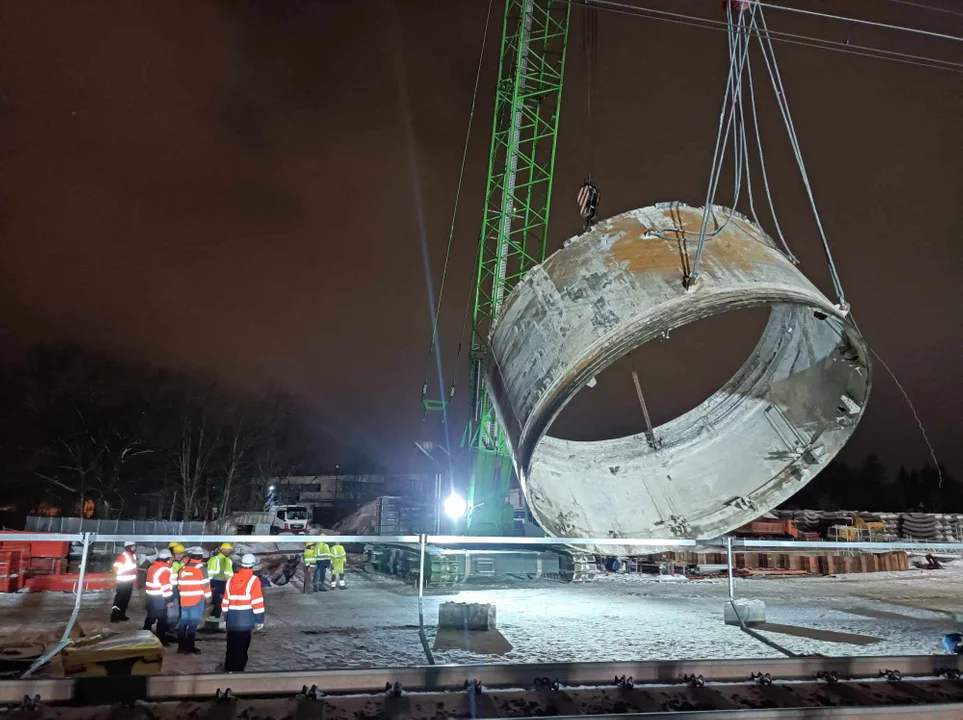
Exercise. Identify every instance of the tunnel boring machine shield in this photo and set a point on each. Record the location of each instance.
(752, 444)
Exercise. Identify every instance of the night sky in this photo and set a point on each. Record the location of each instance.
(234, 188)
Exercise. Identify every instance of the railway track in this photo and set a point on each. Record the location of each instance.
(888, 687)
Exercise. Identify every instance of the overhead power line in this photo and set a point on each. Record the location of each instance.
(620, 8)
(860, 21)
(928, 7)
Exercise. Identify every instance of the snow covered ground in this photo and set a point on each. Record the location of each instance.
(617, 617)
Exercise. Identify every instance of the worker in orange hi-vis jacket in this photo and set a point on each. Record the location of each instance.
(194, 588)
(160, 595)
(243, 612)
(125, 571)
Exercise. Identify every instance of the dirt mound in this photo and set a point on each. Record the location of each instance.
(363, 521)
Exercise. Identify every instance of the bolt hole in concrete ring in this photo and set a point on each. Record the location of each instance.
(753, 443)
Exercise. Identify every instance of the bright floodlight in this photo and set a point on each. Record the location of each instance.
(455, 506)
(271, 489)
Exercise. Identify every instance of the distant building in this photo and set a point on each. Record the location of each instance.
(332, 497)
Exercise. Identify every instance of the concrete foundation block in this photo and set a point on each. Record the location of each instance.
(751, 611)
(466, 616)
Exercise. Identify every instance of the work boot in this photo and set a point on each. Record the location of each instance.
(115, 615)
(148, 624)
(181, 643)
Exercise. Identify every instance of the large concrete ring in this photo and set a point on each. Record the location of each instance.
(751, 445)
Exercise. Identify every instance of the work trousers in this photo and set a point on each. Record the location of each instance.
(186, 631)
(337, 580)
(121, 600)
(162, 627)
(238, 642)
(218, 587)
(320, 570)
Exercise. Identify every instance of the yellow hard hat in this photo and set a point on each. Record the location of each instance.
(176, 548)
(171, 544)
(226, 546)
(310, 544)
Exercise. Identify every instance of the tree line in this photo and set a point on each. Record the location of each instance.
(870, 486)
(89, 433)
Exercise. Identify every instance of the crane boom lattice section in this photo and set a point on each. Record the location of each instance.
(517, 206)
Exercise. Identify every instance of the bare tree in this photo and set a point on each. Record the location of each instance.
(194, 447)
(236, 459)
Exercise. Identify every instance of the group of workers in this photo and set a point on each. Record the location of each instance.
(180, 584)
(318, 558)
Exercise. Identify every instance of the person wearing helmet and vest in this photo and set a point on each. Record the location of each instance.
(311, 564)
(125, 571)
(338, 556)
(160, 595)
(322, 555)
(194, 587)
(220, 569)
(243, 608)
(178, 551)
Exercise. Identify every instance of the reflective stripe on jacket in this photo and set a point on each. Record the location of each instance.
(193, 585)
(125, 567)
(322, 552)
(337, 559)
(243, 603)
(220, 567)
(159, 580)
(310, 556)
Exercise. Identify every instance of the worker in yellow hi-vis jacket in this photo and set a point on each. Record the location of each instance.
(338, 557)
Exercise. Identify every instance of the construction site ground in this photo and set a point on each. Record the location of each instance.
(374, 623)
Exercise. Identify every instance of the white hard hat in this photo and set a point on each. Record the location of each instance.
(248, 560)
(164, 555)
(196, 552)
(129, 543)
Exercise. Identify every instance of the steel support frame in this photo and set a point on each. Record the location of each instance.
(514, 231)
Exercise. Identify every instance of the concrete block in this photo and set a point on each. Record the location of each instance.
(466, 616)
(751, 611)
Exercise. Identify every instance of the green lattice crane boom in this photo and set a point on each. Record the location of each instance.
(515, 226)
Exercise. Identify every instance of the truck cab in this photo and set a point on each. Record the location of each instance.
(289, 518)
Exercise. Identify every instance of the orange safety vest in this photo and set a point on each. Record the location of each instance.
(125, 567)
(159, 580)
(193, 584)
(243, 601)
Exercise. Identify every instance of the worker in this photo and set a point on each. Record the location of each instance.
(178, 553)
(177, 550)
(220, 569)
(243, 608)
(194, 587)
(323, 556)
(160, 595)
(125, 570)
(338, 556)
(310, 558)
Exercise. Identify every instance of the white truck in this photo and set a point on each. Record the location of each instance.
(275, 520)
